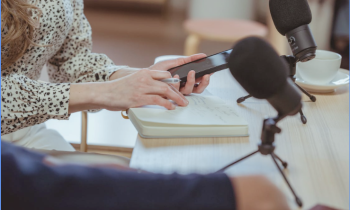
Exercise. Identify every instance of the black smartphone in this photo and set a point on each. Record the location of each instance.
(203, 66)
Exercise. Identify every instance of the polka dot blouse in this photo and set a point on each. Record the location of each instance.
(65, 38)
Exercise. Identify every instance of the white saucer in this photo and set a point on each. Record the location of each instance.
(341, 79)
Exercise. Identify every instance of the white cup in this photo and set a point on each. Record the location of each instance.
(321, 70)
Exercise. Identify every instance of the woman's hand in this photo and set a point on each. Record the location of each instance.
(138, 89)
(190, 86)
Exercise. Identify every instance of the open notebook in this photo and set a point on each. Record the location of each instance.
(205, 116)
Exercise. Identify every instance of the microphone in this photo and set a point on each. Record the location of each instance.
(292, 19)
(264, 75)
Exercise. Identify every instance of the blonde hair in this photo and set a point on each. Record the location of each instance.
(16, 16)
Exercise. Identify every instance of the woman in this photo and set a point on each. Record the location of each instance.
(56, 33)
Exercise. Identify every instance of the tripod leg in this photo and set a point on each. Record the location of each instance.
(302, 117)
(247, 156)
(297, 199)
(284, 163)
(242, 99)
(312, 97)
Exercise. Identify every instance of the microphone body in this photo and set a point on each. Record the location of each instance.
(263, 74)
(302, 43)
(292, 19)
(286, 101)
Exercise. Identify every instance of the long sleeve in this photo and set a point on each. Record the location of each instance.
(65, 36)
(26, 102)
(29, 183)
(75, 62)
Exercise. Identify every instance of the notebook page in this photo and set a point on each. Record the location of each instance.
(202, 110)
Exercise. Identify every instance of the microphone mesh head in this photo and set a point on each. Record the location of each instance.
(290, 14)
(257, 67)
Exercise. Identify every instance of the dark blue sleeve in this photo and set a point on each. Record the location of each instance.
(28, 183)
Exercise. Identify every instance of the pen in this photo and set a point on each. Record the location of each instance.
(171, 80)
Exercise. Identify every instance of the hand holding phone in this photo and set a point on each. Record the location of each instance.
(203, 66)
(190, 86)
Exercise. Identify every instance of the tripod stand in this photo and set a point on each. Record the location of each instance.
(291, 61)
(267, 147)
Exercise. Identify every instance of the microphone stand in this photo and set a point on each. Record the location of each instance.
(267, 147)
(291, 61)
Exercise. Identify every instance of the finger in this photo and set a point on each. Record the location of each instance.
(199, 80)
(157, 100)
(168, 64)
(167, 91)
(178, 92)
(204, 84)
(177, 85)
(159, 75)
(184, 60)
(189, 84)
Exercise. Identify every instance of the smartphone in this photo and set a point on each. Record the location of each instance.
(203, 66)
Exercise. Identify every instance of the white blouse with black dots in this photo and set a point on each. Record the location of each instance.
(65, 38)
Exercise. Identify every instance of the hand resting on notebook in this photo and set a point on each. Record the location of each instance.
(130, 88)
(138, 89)
(190, 86)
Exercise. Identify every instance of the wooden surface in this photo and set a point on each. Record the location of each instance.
(317, 153)
(119, 151)
(104, 128)
(84, 124)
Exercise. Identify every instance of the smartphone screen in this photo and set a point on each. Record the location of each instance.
(202, 66)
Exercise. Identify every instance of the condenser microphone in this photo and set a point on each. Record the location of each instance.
(264, 75)
(292, 19)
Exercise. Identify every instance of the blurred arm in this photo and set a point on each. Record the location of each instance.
(40, 186)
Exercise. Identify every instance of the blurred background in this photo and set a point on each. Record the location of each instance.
(135, 32)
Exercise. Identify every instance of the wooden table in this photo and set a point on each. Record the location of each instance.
(317, 153)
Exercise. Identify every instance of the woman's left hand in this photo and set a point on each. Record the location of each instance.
(190, 86)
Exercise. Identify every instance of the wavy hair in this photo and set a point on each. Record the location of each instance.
(17, 28)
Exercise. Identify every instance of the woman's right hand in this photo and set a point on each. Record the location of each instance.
(138, 89)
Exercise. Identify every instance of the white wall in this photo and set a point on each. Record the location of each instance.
(322, 20)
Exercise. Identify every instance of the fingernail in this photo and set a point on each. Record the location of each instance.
(208, 79)
(173, 106)
(185, 101)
